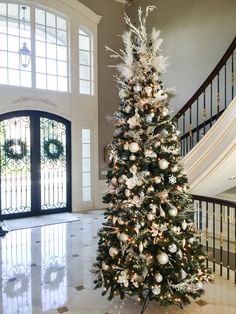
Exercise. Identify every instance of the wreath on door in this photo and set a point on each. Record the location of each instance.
(15, 149)
(53, 149)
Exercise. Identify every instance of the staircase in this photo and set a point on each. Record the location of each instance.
(208, 145)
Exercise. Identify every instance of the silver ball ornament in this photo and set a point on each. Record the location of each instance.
(127, 192)
(173, 211)
(137, 88)
(132, 158)
(164, 112)
(156, 290)
(162, 258)
(105, 266)
(122, 93)
(124, 237)
(172, 248)
(126, 146)
(157, 179)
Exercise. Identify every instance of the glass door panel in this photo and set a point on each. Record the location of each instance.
(15, 165)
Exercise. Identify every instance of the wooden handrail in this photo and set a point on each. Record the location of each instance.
(214, 200)
(209, 79)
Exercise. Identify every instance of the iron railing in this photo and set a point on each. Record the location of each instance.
(216, 225)
(208, 103)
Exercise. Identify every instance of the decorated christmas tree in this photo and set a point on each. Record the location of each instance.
(147, 246)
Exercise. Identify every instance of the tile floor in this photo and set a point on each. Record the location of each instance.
(47, 270)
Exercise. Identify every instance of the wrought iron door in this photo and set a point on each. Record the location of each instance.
(35, 164)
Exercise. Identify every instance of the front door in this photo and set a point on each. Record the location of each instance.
(35, 164)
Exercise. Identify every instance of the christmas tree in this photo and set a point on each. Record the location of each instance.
(147, 245)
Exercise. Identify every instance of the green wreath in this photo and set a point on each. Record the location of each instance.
(53, 149)
(15, 149)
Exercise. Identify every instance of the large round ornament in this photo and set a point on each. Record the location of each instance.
(133, 147)
(172, 248)
(163, 164)
(156, 290)
(158, 277)
(162, 258)
(113, 251)
(173, 211)
(124, 237)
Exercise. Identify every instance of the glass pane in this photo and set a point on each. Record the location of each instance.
(86, 194)
(15, 165)
(86, 165)
(3, 58)
(41, 81)
(62, 68)
(13, 28)
(40, 33)
(51, 67)
(41, 65)
(13, 44)
(61, 37)
(84, 72)
(84, 57)
(84, 87)
(13, 60)
(25, 79)
(52, 82)
(61, 23)
(51, 35)
(14, 77)
(81, 32)
(53, 164)
(62, 84)
(40, 49)
(40, 16)
(3, 42)
(25, 31)
(13, 10)
(3, 9)
(50, 19)
(3, 76)
(62, 53)
(86, 150)
(3, 25)
(51, 51)
(86, 136)
(86, 179)
(84, 42)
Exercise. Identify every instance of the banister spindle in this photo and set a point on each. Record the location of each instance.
(207, 234)
(221, 240)
(197, 120)
(232, 75)
(228, 266)
(214, 237)
(225, 86)
(204, 112)
(218, 95)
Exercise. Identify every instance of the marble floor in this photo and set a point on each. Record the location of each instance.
(47, 270)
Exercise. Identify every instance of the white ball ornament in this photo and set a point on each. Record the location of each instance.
(173, 211)
(157, 179)
(124, 237)
(137, 88)
(132, 158)
(122, 93)
(127, 192)
(113, 251)
(162, 258)
(126, 146)
(133, 147)
(105, 266)
(150, 217)
(163, 164)
(174, 168)
(172, 248)
(158, 277)
(156, 290)
(165, 112)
